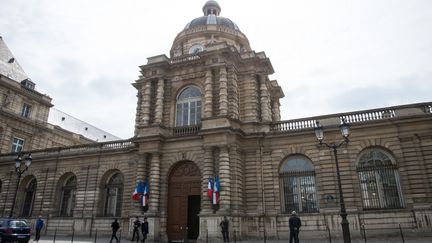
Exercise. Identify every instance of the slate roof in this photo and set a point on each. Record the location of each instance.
(9, 66)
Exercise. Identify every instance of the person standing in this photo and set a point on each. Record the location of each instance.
(294, 225)
(39, 226)
(136, 226)
(144, 229)
(225, 229)
(115, 227)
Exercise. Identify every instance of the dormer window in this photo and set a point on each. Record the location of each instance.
(27, 83)
(188, 107)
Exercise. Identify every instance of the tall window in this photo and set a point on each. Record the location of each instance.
(68, 197)
(297, 179)
(29, 195)
(17, 144)
(188, 107)
(114, 191)
(25, 112)
(379, 180)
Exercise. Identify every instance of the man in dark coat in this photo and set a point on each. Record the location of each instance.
(294, 225)
(136, 226)
(144, 229)
(39, 226)
(115, 227)
(225, 229)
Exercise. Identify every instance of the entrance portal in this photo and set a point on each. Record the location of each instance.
(184, 202)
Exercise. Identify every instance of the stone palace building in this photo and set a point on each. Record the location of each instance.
(210, 109)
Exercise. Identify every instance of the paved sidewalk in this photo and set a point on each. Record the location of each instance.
(63, 239)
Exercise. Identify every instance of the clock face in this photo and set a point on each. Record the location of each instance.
(196, 48)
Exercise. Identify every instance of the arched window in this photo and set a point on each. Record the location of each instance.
(379, 180)
(67, 202)
(114, 192)
(29, 195)
(297, 180)
(188, 107)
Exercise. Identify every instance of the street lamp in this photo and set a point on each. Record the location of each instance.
(20, 168)
(319, 133)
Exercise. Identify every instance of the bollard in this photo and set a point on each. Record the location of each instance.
(235, 237)
(364, 233)
(55, 235)
(402, 236)
(120, 235)
(95, 236)
(329, 234)
(73, 231)
(206, 235)
(186, 235)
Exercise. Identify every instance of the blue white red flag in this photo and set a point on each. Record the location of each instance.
(145, 196)
(139, 190)
(210, 188)
(216, 191)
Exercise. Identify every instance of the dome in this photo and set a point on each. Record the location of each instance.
(212, 20)
(211, 16)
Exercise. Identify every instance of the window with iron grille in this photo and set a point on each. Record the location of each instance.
(379, 180)
(297, 180)
(114, 192)
(188, 109)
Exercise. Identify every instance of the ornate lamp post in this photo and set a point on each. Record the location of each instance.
(20, 167)
(319, 133)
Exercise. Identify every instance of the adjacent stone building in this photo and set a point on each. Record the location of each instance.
(210, 110)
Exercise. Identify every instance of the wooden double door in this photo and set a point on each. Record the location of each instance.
(184, 202)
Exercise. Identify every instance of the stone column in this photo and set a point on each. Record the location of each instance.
(250, 98)
(146, 103)
(159, 101)
(235, 95)
(224, 179)
(223, 95)
(142, 167)
(265, 100)
(208, 171)
(154, 182)
(276, 110)
(208, 95)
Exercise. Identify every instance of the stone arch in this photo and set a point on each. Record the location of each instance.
(111, 181)
(27, 190)
(59, 190)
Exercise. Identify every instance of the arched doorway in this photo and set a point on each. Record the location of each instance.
(184, 202)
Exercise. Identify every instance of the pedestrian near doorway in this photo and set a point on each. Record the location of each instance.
(39, 226)
(144, 229)
(225, 229)
(115, 227)
(136, 226)
(294, 225)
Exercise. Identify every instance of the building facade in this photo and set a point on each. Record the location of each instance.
(210, 110)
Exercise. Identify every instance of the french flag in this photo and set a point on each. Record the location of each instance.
(138, 191)
(210, 188)
(145, 196)
(216, 191)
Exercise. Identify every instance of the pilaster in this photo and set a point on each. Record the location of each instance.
(276, 110)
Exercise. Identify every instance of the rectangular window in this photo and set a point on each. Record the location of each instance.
(299, 194)
(17, 144)
(25, 112)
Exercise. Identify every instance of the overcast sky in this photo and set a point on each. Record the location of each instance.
(329, 56)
